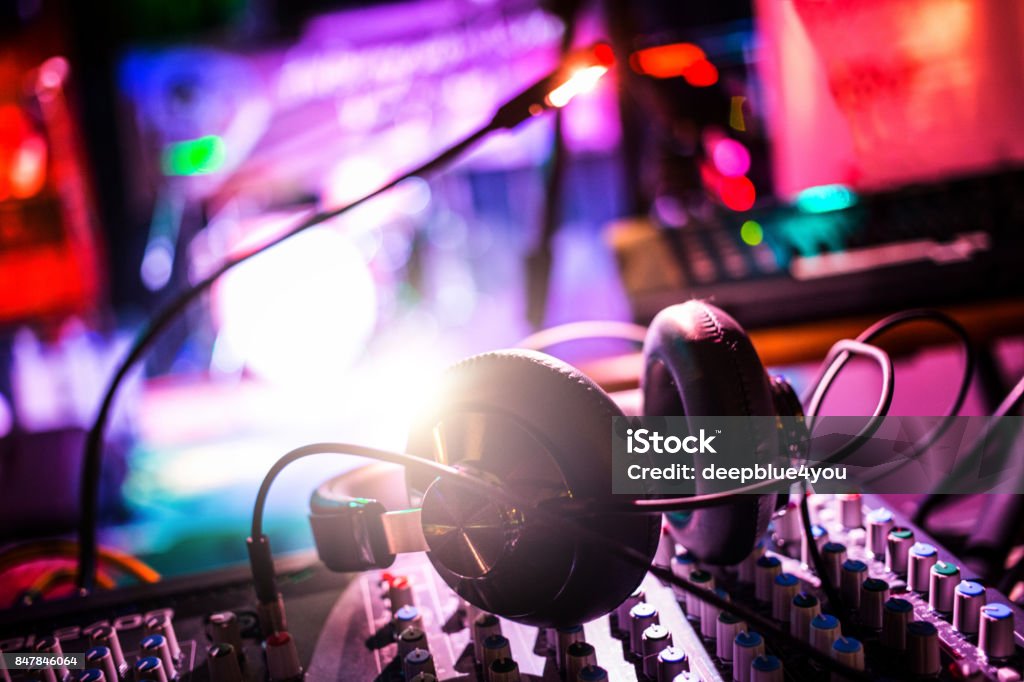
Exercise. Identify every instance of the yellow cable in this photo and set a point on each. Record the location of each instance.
(65, 574)
(19, 554)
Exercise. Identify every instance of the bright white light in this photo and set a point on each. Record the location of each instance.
(300, 313)
(580, 82)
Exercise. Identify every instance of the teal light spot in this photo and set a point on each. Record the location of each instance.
(825, 199)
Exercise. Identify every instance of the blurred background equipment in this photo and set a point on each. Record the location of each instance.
(893, 173)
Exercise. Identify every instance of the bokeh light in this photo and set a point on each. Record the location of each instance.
(300, 313)
(751, 233)
(737, 193)
(731, 158)
(701, 74)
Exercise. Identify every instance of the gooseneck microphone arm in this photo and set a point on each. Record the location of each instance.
(530, 102)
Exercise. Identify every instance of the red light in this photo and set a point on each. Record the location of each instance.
(604, 54)
(701, 74)
(667, 61)
(711, 178)
(737, 193)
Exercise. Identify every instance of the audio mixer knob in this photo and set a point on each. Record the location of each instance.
(968, 598)
(107, 636)
(671, 662)
(496, 648)
(873, 593)
(786, 587)
(853, 575)
(505, 670)
(160, 624)
(709, 615)
(896, 615)
(51, 645)
(703, 580)
(656, 639)
(407, 616)
(766, 669)
(156, 645)
(411, 638)
(150, 668)
(91, 675)
(897, 550)
(623, 609)
(849, 651)
(767, 567)
(592, 673)
(485, 625)
(880, 522)
(803, 609)
(578, 656)
(996, 631)
(222, 662)
(923, 647)
(641, 617)
(682, 565)
(745, 648)
(283, 658)
(400, 593)
(224, 627)
(99, 657)
(748, 567)
(833, 554)
(850, 514)
(565, 637)
(787, 524)
(418, 661)
(922, 557)
(825, 631)
(727, 628)
(820, 539)
(944, 579)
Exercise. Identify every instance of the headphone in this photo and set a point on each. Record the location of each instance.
(541, 429)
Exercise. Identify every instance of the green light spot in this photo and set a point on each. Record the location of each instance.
(825, 198)
(751, 233)
(194, 157)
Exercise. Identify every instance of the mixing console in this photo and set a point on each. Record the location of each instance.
(908, 612)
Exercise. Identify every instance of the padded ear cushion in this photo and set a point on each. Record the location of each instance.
(571, 417)
(700, 362)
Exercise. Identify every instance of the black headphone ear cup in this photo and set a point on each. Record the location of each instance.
(542, 429)
(699, 362)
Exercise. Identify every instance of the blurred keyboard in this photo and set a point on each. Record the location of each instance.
(833, 253)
